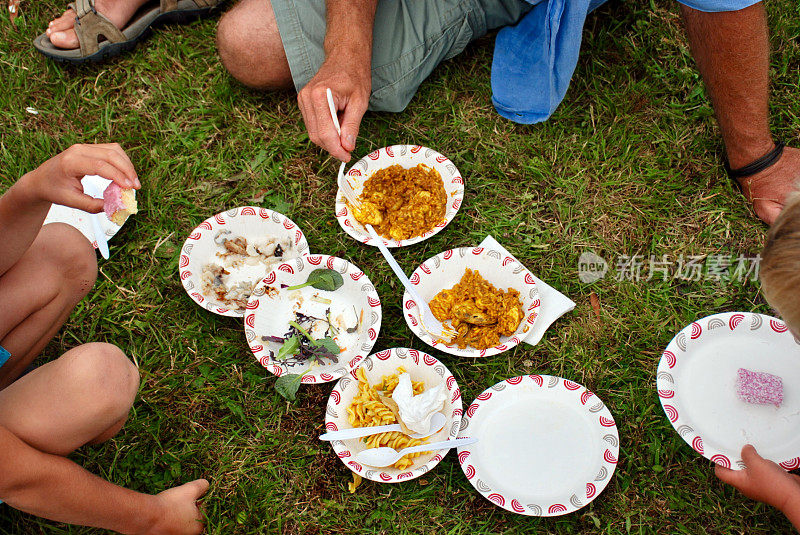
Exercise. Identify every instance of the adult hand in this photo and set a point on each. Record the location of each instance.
(58, 180)
(768, 190)
(180, 514)
(762, 480)
(350, 82)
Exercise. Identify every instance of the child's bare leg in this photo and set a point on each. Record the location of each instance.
(38, 293)
(80, 398)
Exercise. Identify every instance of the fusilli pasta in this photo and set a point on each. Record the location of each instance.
(367, 410)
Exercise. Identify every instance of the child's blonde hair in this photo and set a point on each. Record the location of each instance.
(780, 264)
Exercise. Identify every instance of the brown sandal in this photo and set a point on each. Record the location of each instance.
(99, 39)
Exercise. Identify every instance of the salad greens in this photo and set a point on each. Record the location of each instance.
(299, 343)
(322, 279)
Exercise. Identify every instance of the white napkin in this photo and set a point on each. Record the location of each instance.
(554, 303)
(80, 219)
(416, 411)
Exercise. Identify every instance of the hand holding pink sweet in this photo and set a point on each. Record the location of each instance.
(58, 180)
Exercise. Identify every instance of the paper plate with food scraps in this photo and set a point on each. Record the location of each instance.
(81, 220)
(228, 254)
(728, 380)
(488, 297)
(316, 316)
(547, 446)
(359, 400)
(409, 193)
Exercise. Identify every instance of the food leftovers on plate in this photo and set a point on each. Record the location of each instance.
(240, 264)
(315, 333)
(478, 311)
(403, 203)
(374, 406)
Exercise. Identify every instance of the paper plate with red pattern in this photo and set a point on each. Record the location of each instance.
(407, 156)
(696, 382)
(421, 367)
(272, 306)
(250, 222)
(80, 219)
(444, 270)
(548, 446)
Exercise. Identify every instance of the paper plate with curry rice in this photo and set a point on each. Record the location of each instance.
(408, 194)
(489, 298)
(364, 398)
(317, 316)
(226, 255)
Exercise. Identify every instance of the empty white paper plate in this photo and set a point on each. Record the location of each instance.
(547, 446)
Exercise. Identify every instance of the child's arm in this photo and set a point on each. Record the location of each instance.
(58, 180)
(766, 482)
(55, 488)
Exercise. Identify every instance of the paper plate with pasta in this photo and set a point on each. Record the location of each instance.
(408, 193)
(317, 316)
(489, 298)
(359, 400)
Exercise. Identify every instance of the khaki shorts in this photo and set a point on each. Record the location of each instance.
(410, 38)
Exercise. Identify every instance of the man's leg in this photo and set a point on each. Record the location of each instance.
(250, 46)
(81, 398)
(38, 293)
(731, 49)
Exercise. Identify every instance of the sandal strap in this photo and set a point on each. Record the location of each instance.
(91, 25)
(768, 160)
(172, 5)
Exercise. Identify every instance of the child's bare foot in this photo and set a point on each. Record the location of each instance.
(61, 30)
(767, 190)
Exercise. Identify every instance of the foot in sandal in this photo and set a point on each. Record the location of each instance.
(94, 30)
(61, 31)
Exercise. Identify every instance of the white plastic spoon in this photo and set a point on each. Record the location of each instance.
(437, 422)
(385, 456)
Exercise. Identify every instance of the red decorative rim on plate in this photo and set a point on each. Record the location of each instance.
(245, 220)
(263, 316)
(444, 270)
(422, 367)
(408, 156)
(568, 393)
(730, 331)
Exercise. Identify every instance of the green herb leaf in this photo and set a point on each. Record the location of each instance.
(289, 348)
(322, 279)
(329, 344)
(287, 385)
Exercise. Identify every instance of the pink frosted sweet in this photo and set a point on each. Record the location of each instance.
(118, 203)
(759, 387)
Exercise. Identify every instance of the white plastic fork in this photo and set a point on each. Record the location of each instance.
(348, 192)
(428, 321)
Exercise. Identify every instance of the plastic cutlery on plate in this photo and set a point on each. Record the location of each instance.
(437, 423)
(92, 190)
(348, 192)
(429, 322)
(385, 456)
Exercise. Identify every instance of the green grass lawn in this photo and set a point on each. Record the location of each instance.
(630, 164)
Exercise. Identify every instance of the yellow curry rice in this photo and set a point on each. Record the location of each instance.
(403, 203)
(478, 311)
